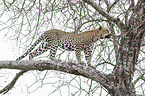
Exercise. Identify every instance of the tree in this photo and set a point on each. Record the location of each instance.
(124, 53)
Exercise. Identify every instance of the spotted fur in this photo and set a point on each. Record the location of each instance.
(52, 39)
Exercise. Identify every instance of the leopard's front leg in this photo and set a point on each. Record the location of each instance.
(78, 55)
(88, 56)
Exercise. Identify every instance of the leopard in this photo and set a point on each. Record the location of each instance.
(54, 38)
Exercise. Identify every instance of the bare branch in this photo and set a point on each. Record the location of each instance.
(110, 7)
(114, 37)
(67, 67)
(5, 4)
(105, 14)
(140, 77)
(12, 83)
(116, 1)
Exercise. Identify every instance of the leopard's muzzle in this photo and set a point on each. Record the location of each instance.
(108, 36)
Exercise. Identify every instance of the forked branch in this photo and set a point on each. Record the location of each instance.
(67, 67)
(105, 14)
(12, 83)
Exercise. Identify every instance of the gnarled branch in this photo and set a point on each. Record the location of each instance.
(68, 67)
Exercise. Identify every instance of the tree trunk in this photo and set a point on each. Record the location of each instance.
(128, 52)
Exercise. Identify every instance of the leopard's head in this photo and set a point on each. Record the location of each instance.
(104, 33)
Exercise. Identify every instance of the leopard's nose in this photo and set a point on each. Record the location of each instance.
(108, 36)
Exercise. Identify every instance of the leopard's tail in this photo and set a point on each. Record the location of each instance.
(31, 48)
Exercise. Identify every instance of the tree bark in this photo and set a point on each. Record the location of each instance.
(67, 67)
(131, 38)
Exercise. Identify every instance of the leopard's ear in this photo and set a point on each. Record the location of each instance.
(100, 27)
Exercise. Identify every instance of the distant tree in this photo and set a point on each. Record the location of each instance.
(120, 61)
